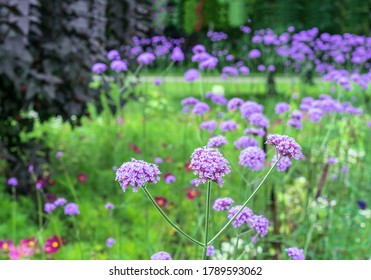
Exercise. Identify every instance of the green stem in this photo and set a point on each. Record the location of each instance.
(207, 213)
(149, 196)
(246, 202)
(40, 209)
(14, 214)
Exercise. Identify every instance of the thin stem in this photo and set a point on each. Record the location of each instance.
(246, 202)
(14, 214)
(169, 221)
(39, 209)
(207, 213)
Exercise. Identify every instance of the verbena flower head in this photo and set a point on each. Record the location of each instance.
(13, 182)
(252, 157)
(58, 154)
(60, 201)
(295, 253)
(224, 203)
(137, 173)
(49, 207)
(254, 53)
(119, 66)
(281, 107)
(210, 251)
(161, 256)
(71, 209)
(331, 160)
(158, 160)
(200, 108)
(250, 107)
(228, 125)
(189, 101)
(255, 131)
(258, 119)
(242, 218)
(245, 141)
(295, 123)
(209, 164)
(146, 58)
(209, 125)
(217, 141)
(260, 224)
(297, 114)
(234, 103)
(285, 145)
(244, 70)
(169, 178)
(109, 206)
(191, 75)
(110, 242)
(283, 164)
(177, 55)
(99, 68)
(113, 54)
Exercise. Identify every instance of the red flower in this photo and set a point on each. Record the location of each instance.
(135, 148)
(29, 242)
(192, 193)
(53, 244)
(161, 201)
(169, 160)
(82, 178)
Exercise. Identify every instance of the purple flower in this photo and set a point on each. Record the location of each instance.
(146, 58)
(177, 55)
(271, 68)
(285, 145)
(59, 154)
(295, 123)
(209, 164)
(161, 256)
(345, 169)
(234, 103)
(99, 68)
(250, 107)
(258, 119)
(30, 168)
(283, 164)
(200, 108)
(252, 157)
(331, 160)
(191, 75)
(113, 54)
(297, 115)
(255, 131)
(158, 160)
(260, 224)
(217, 141)
(189, 101)
(157, 82)
(209, 125)
(110, 242)
(210, 251)
(209, 63)
(295, 253)
(242, 218)
(216, 98)
(281, 107)
(221, 204)
(13, 182)
(245, 141)
(71, 209)
(254, 53)
(315, 114)
(229, 70)
(361, 204)
(199, 49)
(119, 66)
(49, 207)
(228, 126)
(60, 201)
(261, 68)
(109, 206)
(244, 70)
(137, 173)
(169, 178)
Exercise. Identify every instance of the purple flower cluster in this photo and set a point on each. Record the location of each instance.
(245, 142)
(110, 242)
(161, 256)
(283, 164)
(200, 108)
(191, 75)
(221, 204)
(99, 68)
(71, 209)
(260, 224)
(216, 98)
(281, 107)
(228, 125)
(209, 164)
(210, 251)
(250, 107)
(295, 253)
(146, 58)
(255, 131)
(242, 218)
(252, 157)
(258, 119)
(234, 103)
(217, 141)
(119, 66)
(209, 125)
(177, 55)
(285, 145)
(137, 173)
